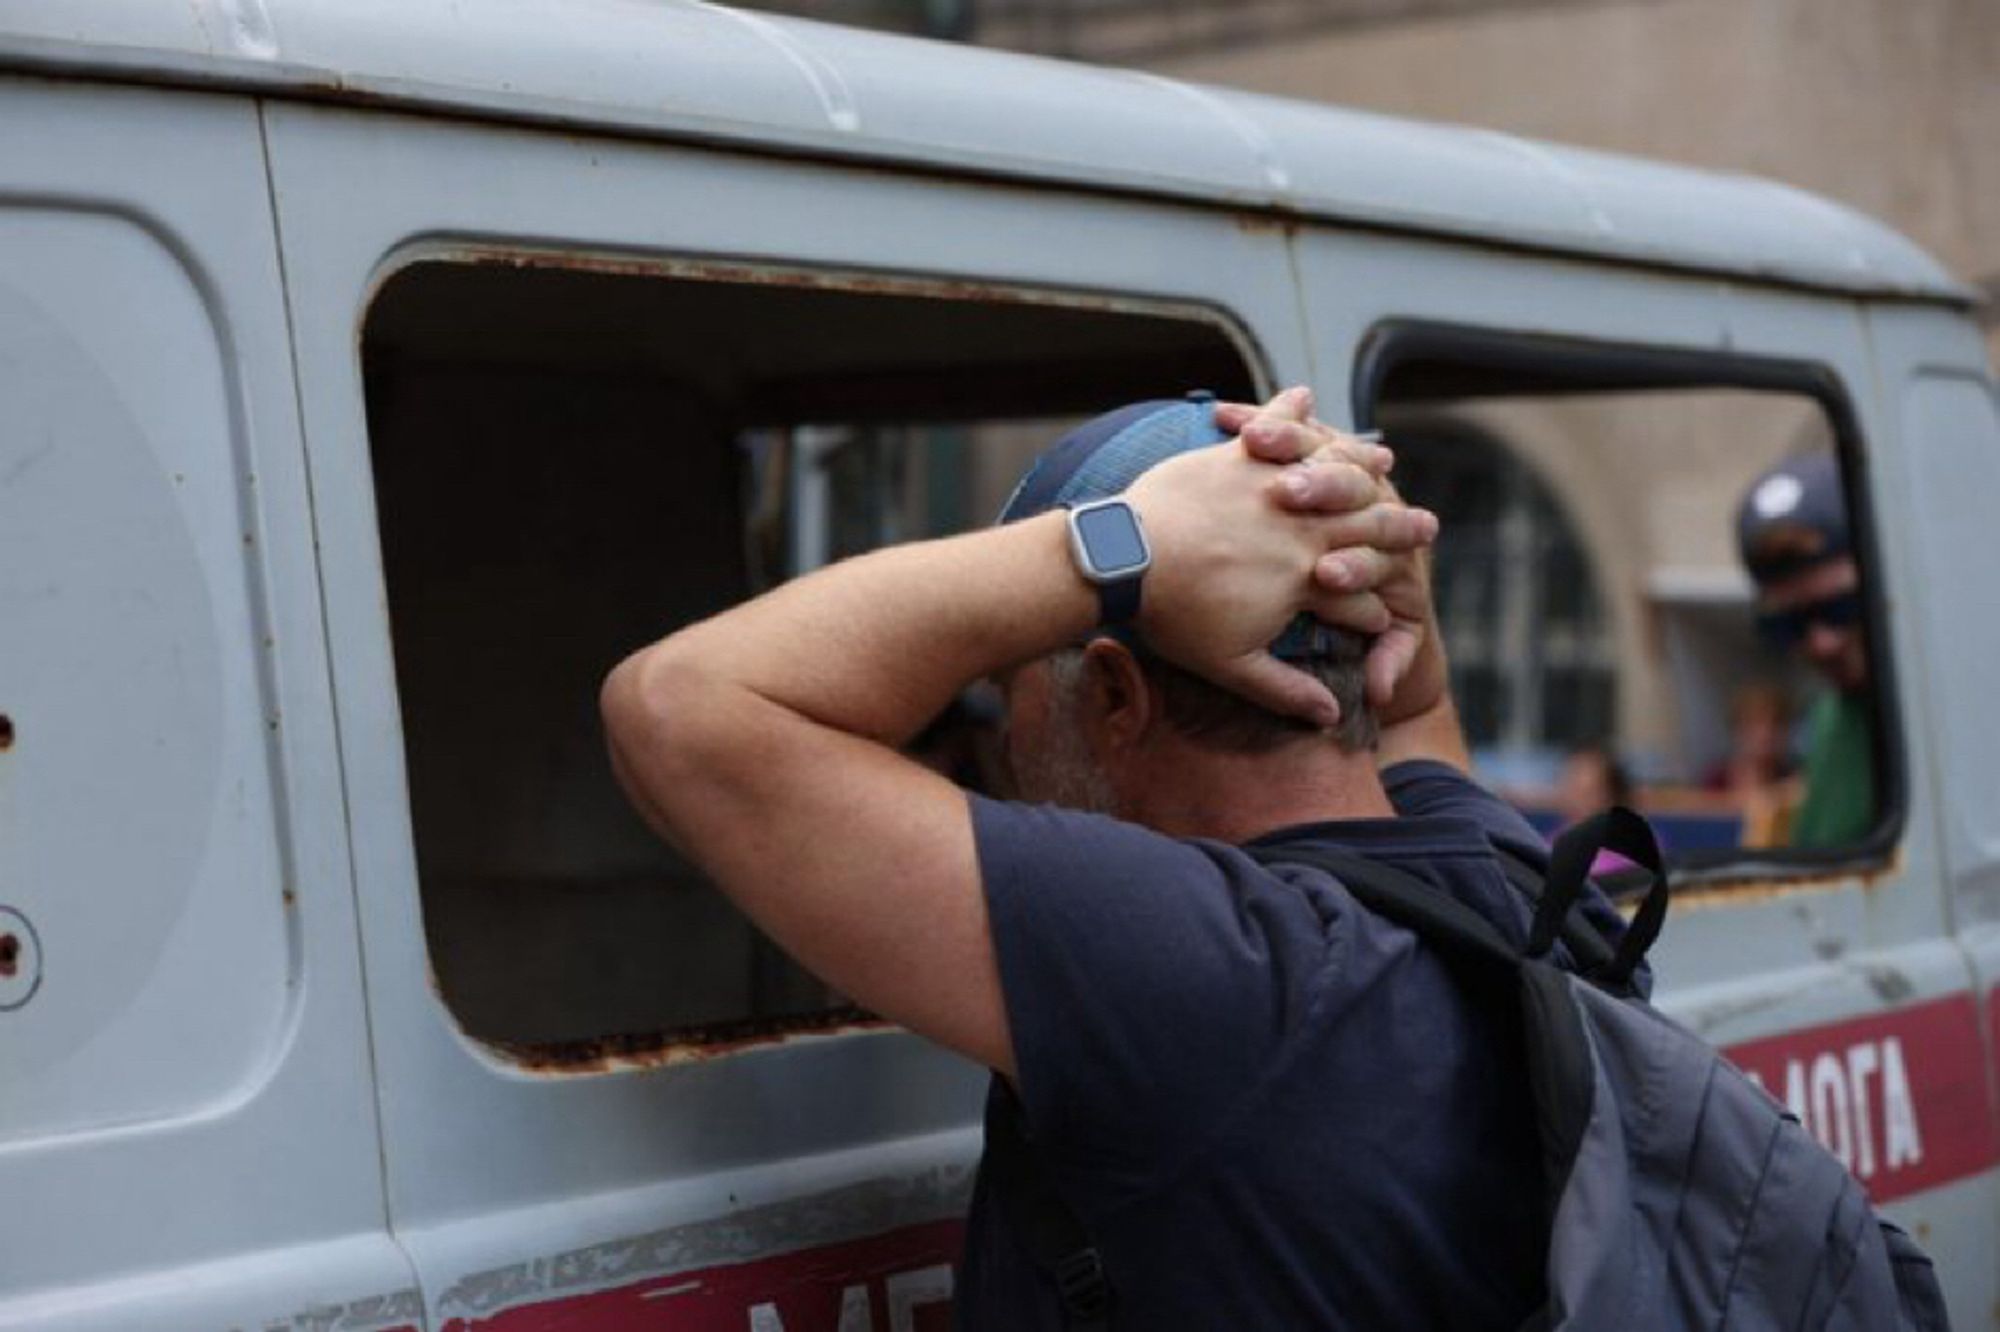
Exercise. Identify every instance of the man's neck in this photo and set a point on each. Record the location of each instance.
(1191, 791)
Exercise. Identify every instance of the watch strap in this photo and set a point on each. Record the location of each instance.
(1118, 601)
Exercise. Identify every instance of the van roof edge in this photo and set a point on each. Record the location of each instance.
(794, 86)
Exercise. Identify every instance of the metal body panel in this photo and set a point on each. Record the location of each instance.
(122, 545)
(188, 1087)
(703, 72)
(526, 1267)
(1795, 973)
(483, 1154)
(1488, 186)
(1951, 425)
(1946, 398)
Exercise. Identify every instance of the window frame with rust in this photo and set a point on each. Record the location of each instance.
(1208, 331)
(1527, 363)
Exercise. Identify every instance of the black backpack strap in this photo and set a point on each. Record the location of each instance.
(1558, 1052)
(1398, 895)
(1585, 941)
(1615, 829)
(1396, 887)
(1054, 1235)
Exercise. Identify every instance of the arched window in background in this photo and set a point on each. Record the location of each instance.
(1528, 635)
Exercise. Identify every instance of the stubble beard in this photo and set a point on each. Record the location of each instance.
(1061, 770)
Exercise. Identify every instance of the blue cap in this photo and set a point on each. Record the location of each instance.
(1104, 456)
(1793, 518)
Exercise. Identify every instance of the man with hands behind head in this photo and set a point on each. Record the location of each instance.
(1271, 1109)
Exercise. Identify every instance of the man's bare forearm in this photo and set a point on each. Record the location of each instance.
(762, 742)
(877, 645)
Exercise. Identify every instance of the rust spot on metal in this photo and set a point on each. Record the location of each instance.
(682, 1045)
(10, 954)
(1260, 224)
(330, 85)
(291, 897)
(1751, 887)
(776, 275)
(6, 731)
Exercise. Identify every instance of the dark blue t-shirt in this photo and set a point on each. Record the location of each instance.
(1270, 1108)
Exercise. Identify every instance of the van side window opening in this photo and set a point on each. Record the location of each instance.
(1603, 629)
(570, 463)
(1530, 639)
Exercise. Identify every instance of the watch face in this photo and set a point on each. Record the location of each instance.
(1112, 542)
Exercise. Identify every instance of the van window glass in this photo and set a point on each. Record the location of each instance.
(569, 464)
(1605, 633)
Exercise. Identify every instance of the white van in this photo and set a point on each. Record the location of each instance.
(350, 352)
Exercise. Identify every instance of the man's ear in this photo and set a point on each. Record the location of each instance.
(1123, 705)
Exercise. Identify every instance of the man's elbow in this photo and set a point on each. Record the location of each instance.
(650, 705)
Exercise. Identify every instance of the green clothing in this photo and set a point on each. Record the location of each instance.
(1840, 771)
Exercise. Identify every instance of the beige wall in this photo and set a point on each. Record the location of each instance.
(1891, 106)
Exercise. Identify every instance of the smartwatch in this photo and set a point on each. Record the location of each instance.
(1110, 550)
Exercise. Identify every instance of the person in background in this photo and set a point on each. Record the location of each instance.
(1592, 779)
(1796, 543)
(1760, 774)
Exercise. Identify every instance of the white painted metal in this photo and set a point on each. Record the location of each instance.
(188, 1089)
(1951, 432)
(704, 72)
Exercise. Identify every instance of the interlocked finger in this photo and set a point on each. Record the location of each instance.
(1293, 406)
(1362, 612)
(1282, 441)
(1276, 434)
(1389, 526)
(1262, 678)
(1356, 569)
(1329, 487)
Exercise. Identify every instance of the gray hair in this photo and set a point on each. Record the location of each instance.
(1220, 720)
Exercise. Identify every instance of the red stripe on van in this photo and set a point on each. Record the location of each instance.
(1901, 1097)
(804, 1292)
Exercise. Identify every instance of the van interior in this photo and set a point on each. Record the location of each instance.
(571, 462)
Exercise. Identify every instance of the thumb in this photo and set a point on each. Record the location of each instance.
(1286, 690)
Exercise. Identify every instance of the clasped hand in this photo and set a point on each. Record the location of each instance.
(1294, 517)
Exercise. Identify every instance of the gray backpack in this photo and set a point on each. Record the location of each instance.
(1679, 1194)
